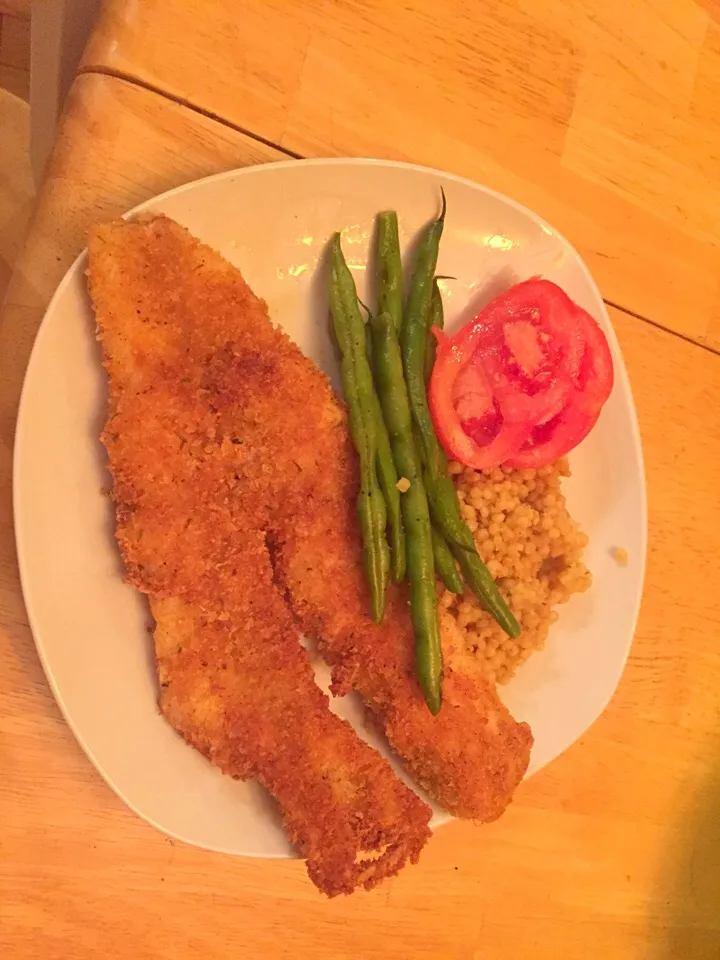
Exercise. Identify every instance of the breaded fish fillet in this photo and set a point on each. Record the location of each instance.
(473, 754)
(203, 435)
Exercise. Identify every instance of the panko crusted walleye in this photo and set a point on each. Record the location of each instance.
(197, 374)
(235, 485)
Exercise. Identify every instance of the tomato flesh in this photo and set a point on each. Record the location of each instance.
(523, 383)
(592, 385)
(452, 413)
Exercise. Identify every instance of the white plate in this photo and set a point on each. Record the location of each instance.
(91, 629)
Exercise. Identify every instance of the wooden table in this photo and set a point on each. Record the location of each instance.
(601, 115)
(614, 850)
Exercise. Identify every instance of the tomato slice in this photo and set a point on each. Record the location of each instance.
(467, 422)
(596, 376)
(592, 387)
(529, 342)
(523, 383)
(552, 440)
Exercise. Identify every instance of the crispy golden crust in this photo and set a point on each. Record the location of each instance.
(201, 448)
(471, 757)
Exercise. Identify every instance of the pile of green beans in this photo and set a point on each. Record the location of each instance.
(386, 364)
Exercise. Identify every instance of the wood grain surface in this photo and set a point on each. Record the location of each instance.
(600, 115)
(611, 852)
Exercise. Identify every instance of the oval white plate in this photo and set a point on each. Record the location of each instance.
(91, 629)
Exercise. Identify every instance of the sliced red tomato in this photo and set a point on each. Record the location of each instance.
(523, 382)
(528, 340)
(467, 421)
(592, 386)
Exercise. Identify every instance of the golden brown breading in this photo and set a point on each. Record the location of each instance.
(200, 451)
(472, 755)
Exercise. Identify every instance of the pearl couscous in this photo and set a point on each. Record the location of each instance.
(532, 547)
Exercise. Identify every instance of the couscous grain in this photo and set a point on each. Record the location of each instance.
(532, 547)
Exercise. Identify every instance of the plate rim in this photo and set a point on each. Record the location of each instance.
(70, 276)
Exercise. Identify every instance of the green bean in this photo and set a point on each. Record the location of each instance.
(436, 319)
(389, 267)
(485, 589)
(368, 340)
(387, 476)
(442, 495)
(445, 507)
(445, 565)
(414, 338)
(445, 510)
(388, 479)
(416, 517)
(424, 306)
(441, 491)
(359, 390)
